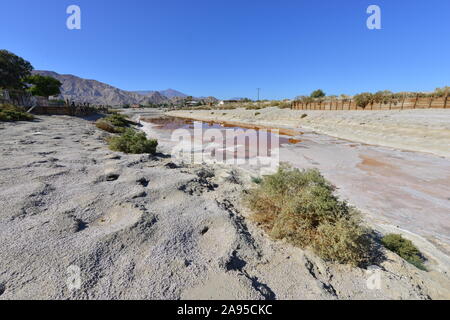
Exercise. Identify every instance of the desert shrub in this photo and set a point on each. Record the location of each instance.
(343, 241)
(404, 248)
(133, 142)
(299, 206)
(285, 105)
(362, 100)
(441, 92)
(305, 99)
(108, 127)
(254, 107)
(229, 107)
(114, 123)
(10, 113)
(256, 180)
(118, 120)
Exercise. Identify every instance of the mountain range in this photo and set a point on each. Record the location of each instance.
(95, 92)
(169, 93)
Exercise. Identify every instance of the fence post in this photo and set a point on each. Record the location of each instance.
(431, 102)
(415, 102)
(445, 100)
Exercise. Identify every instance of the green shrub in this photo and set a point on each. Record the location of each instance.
(404, 248)
(362, 100)
(10, 113)
(256, 180)
(133, 142)
(108, 127)
(114, 123)
(343, 241)
(118, 120)
(299, 206)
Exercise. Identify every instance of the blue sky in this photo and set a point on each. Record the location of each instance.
(230, 48)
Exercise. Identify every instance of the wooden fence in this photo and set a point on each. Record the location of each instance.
(399, 104)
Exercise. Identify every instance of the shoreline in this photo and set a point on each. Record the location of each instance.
(419, 130)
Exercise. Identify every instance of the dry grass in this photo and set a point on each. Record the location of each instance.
(299, 206)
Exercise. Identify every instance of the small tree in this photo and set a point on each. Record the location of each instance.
(44, 86)
(318, 94)
(13, 70)
(363, 99)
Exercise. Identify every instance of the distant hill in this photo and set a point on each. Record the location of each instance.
(169, 93)
(145, 93)
(95, 92)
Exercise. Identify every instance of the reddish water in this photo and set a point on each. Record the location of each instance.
(171, 123)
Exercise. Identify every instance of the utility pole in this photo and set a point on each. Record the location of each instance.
(259, 89)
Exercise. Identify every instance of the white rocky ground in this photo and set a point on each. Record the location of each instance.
(140, 227)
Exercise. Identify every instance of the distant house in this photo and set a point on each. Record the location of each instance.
(135, 106)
